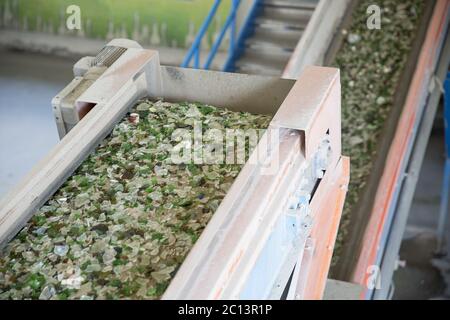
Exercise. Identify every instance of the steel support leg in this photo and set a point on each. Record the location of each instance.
(443, 213)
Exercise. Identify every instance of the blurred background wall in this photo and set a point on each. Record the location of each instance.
(159, 23)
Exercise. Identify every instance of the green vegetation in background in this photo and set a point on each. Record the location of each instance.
(96, 15)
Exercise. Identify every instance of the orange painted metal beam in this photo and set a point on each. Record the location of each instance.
(417, 94)
(327, 217)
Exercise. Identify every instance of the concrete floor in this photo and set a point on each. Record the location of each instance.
(28, 82)
(420, 279)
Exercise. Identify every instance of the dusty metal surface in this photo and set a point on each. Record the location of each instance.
(257, 94)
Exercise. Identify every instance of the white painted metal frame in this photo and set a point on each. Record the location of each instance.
(226, 261)
(263, 212)
(130, 78)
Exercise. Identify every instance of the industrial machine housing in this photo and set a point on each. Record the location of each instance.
(281, 215)
(298, 106)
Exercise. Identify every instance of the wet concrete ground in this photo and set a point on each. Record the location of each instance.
(28, 82)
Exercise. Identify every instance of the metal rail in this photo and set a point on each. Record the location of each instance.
(443, 212)
(246, 31)
(230, 24)
(396, 231)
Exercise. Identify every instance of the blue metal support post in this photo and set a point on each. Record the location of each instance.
(229, 26)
